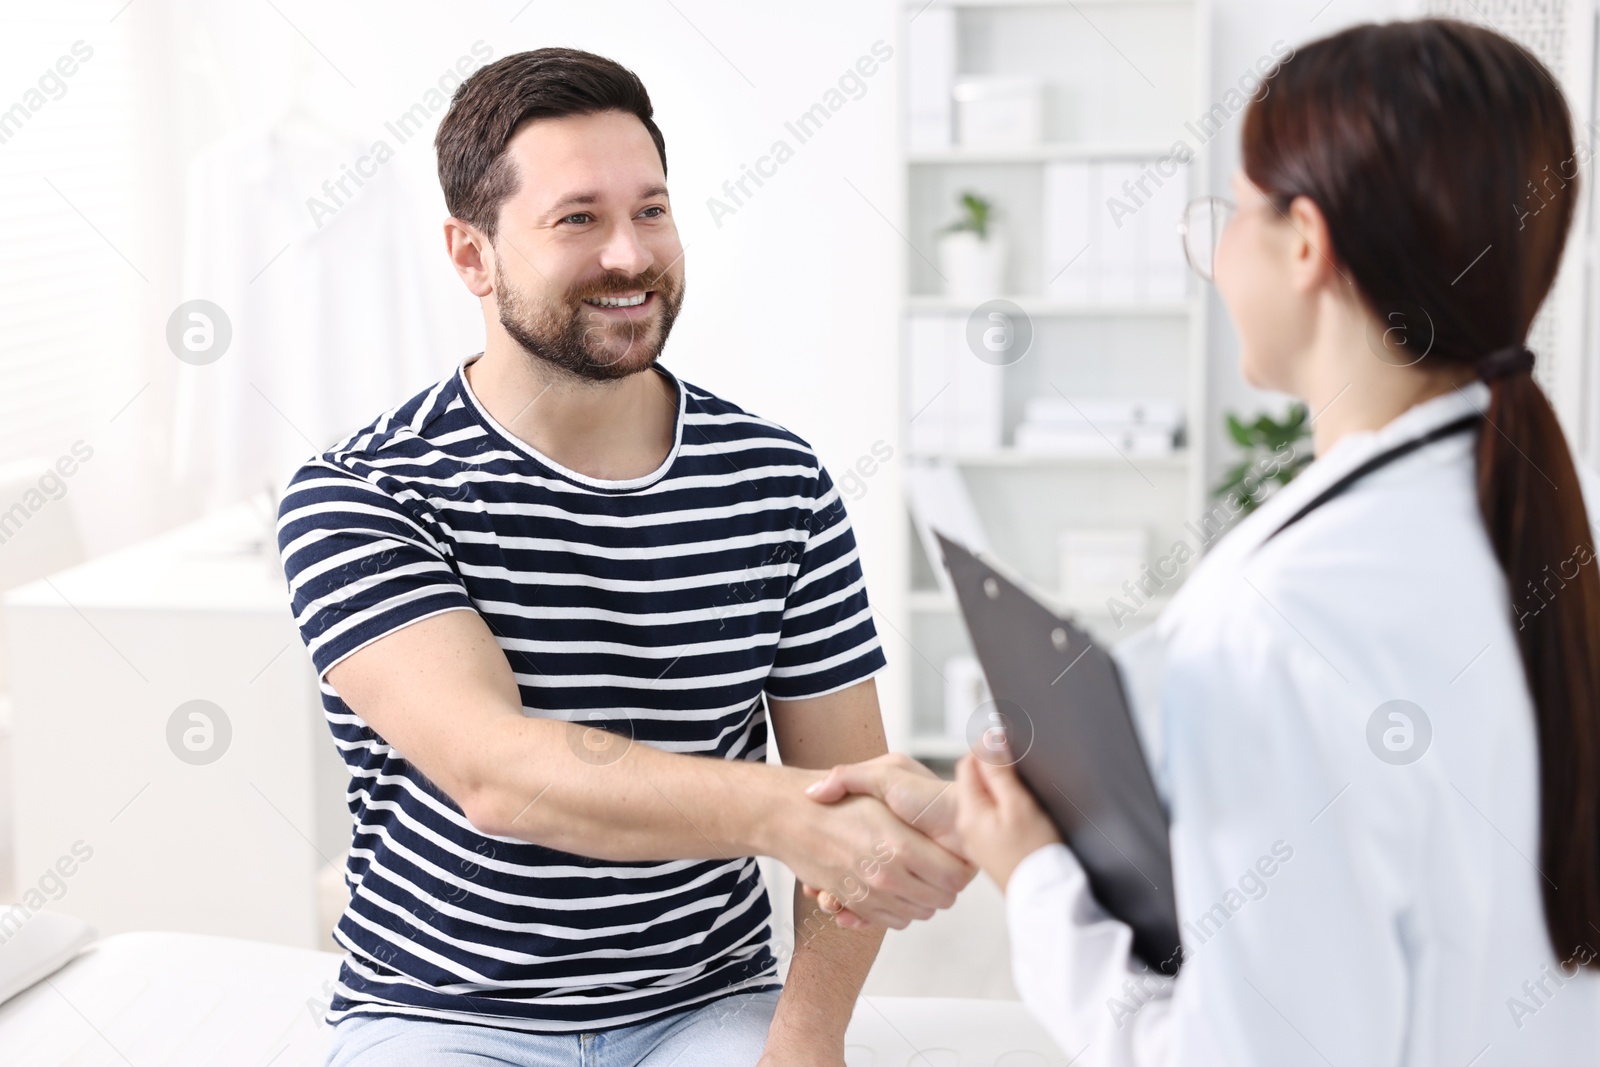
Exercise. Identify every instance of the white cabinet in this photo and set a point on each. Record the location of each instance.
(214, 817)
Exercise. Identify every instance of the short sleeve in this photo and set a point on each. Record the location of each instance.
(359, 564)
(828, 641)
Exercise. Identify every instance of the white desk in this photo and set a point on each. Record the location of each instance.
(101, 656)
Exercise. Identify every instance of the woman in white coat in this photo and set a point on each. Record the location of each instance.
(1379, 694)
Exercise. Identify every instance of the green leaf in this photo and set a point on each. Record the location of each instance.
(976, 211)
(1231, 484)
(1260, 441)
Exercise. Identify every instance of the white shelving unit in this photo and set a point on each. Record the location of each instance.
(1040, 307)
(1040, 153)
(1121, 80)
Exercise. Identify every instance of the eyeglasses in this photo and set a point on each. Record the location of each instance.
(1201, 229)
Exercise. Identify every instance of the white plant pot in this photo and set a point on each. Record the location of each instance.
(973, 268)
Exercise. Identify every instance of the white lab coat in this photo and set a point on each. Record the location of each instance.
(1335, 908)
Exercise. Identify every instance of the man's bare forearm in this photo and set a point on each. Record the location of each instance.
(826, 973)
(581, 790)
(442, 692)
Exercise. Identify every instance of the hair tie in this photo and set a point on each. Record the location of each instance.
(1504, 362)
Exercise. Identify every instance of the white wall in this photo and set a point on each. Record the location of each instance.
(792, 298)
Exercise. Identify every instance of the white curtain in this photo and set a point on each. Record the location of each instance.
(327, 314)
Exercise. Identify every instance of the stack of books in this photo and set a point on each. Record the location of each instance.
(1100, 427)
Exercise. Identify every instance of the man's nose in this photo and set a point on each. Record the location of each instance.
(623, 251)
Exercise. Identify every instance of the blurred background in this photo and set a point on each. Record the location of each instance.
(959, 278)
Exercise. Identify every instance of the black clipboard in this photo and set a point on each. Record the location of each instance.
(1060, 699)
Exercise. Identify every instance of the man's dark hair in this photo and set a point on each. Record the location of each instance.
(474, 170)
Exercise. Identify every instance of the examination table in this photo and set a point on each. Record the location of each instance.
(190, 1000)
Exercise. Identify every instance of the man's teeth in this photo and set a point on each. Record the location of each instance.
(617, 301)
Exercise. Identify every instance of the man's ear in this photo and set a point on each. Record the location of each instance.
(465, 246)
(1309, 249)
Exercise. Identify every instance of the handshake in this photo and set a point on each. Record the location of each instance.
(895, 843)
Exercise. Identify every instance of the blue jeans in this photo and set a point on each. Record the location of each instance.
(729, 1032)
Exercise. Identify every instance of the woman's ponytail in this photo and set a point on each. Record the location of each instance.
(1533, 508)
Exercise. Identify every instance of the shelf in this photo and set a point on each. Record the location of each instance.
(935, 601)
(936, 746)
(930, 600)
(918, 6)
(1041, 307)
(1012, 458)
(1044, 152)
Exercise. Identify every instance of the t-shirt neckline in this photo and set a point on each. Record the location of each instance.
(608, 484)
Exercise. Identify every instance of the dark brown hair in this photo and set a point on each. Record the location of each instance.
(487, 109)
(1441, 155)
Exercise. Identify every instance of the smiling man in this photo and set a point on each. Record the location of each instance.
(549, 600)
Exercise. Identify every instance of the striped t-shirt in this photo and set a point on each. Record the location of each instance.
(661, 606)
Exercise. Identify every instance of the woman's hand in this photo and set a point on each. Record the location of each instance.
(997, 819)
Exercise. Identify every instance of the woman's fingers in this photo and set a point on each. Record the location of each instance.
(972, 792)
(1010, 792)
(1000, 778)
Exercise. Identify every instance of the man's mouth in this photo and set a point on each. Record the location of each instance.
(623, 303)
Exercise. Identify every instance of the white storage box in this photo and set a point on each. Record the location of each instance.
(1095, 562)
(993, 111)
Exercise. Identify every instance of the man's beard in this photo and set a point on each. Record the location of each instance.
(574, 336)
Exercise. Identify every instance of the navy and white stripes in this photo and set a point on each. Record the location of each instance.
(662, 606)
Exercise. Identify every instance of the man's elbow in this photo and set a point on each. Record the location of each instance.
(490, 788)
(494, 810)
(484, 809)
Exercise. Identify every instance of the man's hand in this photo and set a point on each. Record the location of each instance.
(867, 855)
(915, 795)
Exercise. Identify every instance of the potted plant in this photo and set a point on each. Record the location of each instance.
(1273, 453)
(972, 254)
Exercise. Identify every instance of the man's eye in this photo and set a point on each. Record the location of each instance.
(580, 218)
(653, 212)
